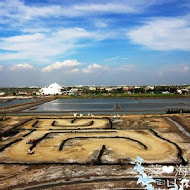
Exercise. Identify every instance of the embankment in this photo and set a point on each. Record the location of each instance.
(20, 107)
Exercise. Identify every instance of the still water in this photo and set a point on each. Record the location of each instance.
(14, 102)
(117, 105)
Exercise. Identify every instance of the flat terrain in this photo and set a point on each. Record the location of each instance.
(69, 150)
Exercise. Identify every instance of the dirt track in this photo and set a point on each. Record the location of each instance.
(82, 143)
(83, 146)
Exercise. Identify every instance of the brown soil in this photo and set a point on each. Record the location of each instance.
(183, 120)
(83, 146)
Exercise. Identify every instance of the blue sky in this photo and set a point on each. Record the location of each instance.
(87, 42)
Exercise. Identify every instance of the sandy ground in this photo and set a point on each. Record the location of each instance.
(81, 150)
(84, 144)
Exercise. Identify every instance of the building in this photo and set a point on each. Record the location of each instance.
(53, 89)
(149, 88)
(127, 88)
(184, 90)
(2, 93)
(91, 88)
(21, 93)
(165, 92)
(73, 91)
(109, 89)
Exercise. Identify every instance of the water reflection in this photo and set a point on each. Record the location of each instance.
(14, 102)
(113, 105)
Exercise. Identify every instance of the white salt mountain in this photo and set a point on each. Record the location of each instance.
(53, 89)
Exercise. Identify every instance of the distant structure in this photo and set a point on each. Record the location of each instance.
(53, 89)
(2, 93)
(184, 90)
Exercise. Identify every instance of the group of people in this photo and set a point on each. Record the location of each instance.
(81, 115)
(116, 116)
(90, 114)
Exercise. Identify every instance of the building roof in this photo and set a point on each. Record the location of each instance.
(52, 89)
(55, 85)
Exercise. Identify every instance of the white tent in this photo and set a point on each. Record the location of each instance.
(52, 89)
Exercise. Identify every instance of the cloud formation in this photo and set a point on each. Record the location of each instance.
(22, 66)
(109, 76)
(20, 11)
(91, 68)
(164, 33)
(41, 33)
(40, 46)
(62, 65)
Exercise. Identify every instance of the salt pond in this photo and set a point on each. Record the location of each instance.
(128, 105)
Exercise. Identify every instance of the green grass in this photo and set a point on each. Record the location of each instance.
(151, 95)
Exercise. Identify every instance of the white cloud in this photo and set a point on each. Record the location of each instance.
(39, 46)
(111, 6)
(24, 38)
(22, 66)
(74, 70)
(91, 68)
(120, 67)
(163, 34)
(29, 29)
(82, 9)
(18, 10)
(78, 33)
(61, 65)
